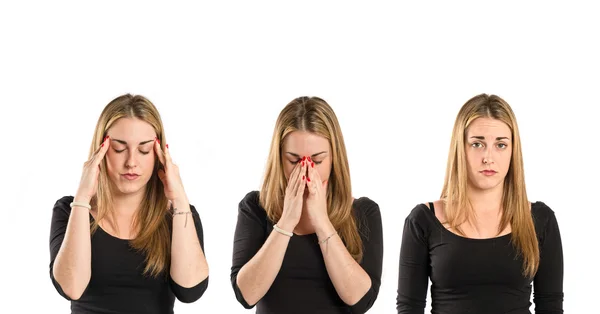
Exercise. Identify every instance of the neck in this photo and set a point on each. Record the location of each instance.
(126, 205)
(486, 201)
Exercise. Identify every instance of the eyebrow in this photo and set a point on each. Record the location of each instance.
(125, 143)
(499, 138)
(313, 155)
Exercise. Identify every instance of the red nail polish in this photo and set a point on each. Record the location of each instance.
(304, 158)
(102, 145)
(308, 158)
(312, 164)
(167, 145)
(303, 164)
(308, 179)
(302, 177)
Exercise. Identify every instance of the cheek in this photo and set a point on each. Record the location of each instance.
(324, 170)
(472, 159)
(112, 160)
(506, 160)
(147, 161)
(287, 169)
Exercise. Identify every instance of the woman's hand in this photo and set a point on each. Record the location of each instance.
(316, 202)
(169, 174)
(88, 185)
(294, 192)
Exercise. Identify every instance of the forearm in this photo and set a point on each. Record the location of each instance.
(188, 263)
(72, 267)
(349, 279)
(256, 277)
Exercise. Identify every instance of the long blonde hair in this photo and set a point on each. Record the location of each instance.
(313, 114)
(151, 221)
(515, 205)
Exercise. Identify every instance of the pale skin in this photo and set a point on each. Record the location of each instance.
(307, 166)
(130, 149)
(488, 147)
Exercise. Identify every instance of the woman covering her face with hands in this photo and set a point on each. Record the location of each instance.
(128, 241)
(302, 243)
(483, 243)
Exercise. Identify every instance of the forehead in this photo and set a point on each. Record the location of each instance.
(131, 129)
(305, 143)
(488, 127)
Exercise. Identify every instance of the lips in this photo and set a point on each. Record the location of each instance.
(130, 176)
(488, 172)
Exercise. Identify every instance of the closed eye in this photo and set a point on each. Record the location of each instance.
(141, 151)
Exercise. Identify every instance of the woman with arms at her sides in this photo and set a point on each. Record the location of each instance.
(483, 243)
(128, 241)
(303, 244)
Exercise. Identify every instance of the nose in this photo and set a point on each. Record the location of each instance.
(130, 162)
(487, 157)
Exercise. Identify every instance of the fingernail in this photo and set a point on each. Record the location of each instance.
(308, 179)
(303, 164)
(312, 164)
(304, 158)
(102, 145)
(308, 158)
(302, 177)
(167, 145)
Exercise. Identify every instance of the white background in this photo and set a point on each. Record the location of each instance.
(395, 74)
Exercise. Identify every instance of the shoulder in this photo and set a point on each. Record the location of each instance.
(421, 213)
(542, 215)
(366, 207)
(63, 206)
(250, 205)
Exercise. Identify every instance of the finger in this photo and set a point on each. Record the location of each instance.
(168, 155)
(315, 178)
(99, 155)
(294, 177)
(301, 180)
(159, 152)
(162, 176)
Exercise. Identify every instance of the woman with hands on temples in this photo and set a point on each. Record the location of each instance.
(128, 241)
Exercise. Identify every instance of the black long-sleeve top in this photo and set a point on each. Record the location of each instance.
(117, 283)
(477, 275)
(303, 284)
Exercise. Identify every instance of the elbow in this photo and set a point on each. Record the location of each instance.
(73, 293)
(247, 301)
(191, 294)
(363, 302)
(71, 288)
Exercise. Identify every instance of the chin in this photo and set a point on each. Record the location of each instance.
(487, 185)
(130, 188)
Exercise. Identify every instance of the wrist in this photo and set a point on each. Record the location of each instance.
(82, 199)
(286, 225)
(181, 203)
(324, 228)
